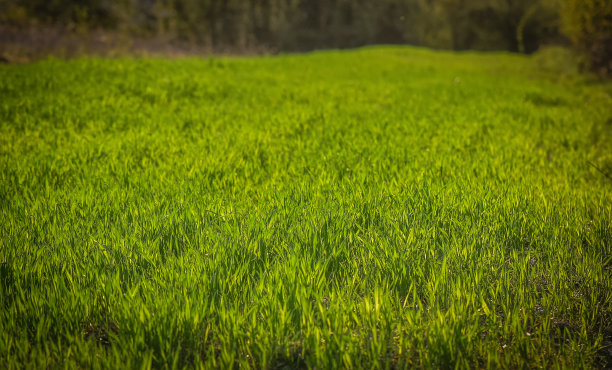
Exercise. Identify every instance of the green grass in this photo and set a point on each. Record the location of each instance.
(384, 207)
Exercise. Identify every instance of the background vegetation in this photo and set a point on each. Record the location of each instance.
(298, 25)
(290, 25)
(308, 24)
(589, 24)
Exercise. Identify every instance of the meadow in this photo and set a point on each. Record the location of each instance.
(386, 207)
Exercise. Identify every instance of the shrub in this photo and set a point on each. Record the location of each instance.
(588, 23)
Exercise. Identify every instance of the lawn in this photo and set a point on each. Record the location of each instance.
(382, 207)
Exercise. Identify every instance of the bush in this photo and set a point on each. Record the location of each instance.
(588, 23)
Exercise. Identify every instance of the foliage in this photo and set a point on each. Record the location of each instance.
(311, 24)
(514, 25)
(380, 208)
(589, 24)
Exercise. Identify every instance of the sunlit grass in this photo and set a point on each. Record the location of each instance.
(386, 207)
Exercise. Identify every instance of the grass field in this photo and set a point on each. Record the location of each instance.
(383, 207)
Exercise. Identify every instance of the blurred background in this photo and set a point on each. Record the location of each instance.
(30, 28)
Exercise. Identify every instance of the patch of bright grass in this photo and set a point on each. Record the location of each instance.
(384, 207)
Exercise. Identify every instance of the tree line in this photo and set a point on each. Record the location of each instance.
(297, 25)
